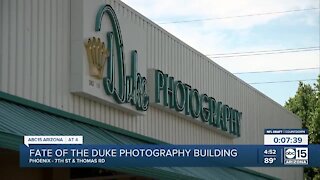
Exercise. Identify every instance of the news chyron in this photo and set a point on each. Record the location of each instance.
(294, 143)
(281, 148)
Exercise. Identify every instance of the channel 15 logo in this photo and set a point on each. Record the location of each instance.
(295, 156)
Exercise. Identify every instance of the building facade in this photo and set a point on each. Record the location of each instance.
(141, 82)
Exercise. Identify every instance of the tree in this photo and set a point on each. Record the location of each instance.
(306, 105)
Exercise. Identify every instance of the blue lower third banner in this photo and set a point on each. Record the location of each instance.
(168, 155)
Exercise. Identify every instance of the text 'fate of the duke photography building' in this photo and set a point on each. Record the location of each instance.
(100, 69)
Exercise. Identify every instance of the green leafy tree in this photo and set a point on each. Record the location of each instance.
(306, 105)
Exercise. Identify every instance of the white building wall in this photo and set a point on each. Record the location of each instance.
(35, 64)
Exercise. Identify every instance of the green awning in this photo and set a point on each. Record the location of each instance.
(19, 117)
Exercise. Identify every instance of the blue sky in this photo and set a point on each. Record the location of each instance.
(255, 33)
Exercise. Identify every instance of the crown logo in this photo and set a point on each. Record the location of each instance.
(97, 54)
